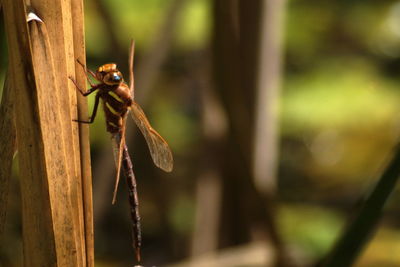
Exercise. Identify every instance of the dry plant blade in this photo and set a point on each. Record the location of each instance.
(7, 147)
(77, 12)
(37, 211)
(51, 205)
(54, 148)
(58, 16)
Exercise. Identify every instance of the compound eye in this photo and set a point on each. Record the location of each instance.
(116, 77)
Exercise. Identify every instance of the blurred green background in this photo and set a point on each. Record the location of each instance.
(338, 123)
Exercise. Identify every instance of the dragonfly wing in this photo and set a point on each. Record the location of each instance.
(159, 149)
(118, 147)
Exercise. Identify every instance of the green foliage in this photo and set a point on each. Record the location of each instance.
(311, 228)
(341, 93)
(166, 116)
(335, 110)
(181, 215)
(194, 26)
(131, 20)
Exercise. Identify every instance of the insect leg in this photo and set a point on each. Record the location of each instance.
(86, 73)
(88, 92)
(95, 108)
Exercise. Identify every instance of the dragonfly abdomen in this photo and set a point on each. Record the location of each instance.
(113, 120)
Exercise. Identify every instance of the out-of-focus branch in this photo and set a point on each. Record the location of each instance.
(209, 181)
(109, 29)
(236, 71)
(361, 228)
(265, 160)
(155, 56)
(235, 160)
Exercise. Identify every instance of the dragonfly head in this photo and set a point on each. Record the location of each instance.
(109, 74)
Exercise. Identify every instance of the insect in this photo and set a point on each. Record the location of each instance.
(118, 101)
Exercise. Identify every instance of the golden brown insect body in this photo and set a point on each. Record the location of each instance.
(115, 94)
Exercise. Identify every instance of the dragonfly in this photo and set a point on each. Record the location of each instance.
(118, 100)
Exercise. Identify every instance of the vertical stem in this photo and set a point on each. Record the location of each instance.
(209, 182)
(267, 95)
(242, 39)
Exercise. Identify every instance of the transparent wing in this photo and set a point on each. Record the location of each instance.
(118, 147)
(159, 149)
